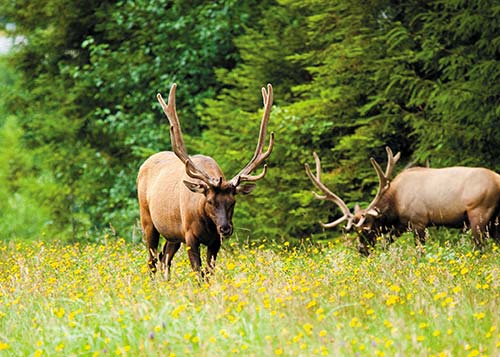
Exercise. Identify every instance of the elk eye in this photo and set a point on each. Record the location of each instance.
(211, 202)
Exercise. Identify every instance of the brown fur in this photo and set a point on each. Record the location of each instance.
(186, 199)
(421, 197)
(169, 208)
(452, 197)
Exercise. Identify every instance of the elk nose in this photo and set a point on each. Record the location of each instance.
(226, 230)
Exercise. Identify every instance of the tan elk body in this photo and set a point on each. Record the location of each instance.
(186, 199)
(425, 196)
(420, 197)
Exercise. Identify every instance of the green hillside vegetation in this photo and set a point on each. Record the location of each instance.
(350, 77)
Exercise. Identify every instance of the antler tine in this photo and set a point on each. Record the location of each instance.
(177, 140)
(328, 195)
(259, 156)
(175, 126)
(383, 178)
(318, 166)
(337, 222)
(391, 162)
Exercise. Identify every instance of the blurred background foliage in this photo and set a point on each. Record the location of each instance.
(78, 113)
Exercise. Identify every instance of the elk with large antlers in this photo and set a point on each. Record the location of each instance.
(419, 197)
(187, 199)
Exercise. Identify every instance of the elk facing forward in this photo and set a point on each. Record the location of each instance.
(187, 199)
(419, 197)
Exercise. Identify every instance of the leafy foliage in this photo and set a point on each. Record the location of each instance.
(25, 187)
(92, 101)
(349, 77)
(378, 73)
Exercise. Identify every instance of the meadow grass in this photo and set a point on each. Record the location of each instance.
(264, 299)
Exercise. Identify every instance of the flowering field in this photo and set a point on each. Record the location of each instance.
(265, 299)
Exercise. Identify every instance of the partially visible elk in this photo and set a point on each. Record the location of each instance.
(187, 199)
(420, 197)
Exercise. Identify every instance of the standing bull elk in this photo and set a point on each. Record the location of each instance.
(419, 197)
(187, 199)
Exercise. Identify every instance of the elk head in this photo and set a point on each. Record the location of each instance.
(219, 194)
(362, 219)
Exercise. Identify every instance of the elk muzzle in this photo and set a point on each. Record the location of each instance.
(225, 230)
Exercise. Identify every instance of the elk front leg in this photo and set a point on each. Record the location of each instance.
(169, 250)
(193, 250)
(364, 247)
(419, 235)
(212, 256)
(366, 242)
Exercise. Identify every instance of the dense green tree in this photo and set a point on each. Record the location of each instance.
(92, 71)
(25, 202)
(418, 77)
(267, 50)
(458, 51)
(141, 48)
(51, 117)
(323, 52)
(349, 77)
(25, 187)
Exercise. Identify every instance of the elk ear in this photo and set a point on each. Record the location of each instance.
(245, 189)
(196, 187)
(357, 208)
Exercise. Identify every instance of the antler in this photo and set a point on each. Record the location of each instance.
(259, 156)
(329, 195)
(178, 142)
(383, 178)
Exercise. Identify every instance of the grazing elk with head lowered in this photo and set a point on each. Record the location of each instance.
(419, 197)
(187, 199)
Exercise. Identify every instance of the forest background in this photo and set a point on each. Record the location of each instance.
(78, 109)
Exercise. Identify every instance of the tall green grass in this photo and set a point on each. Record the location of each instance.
(264, 299)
